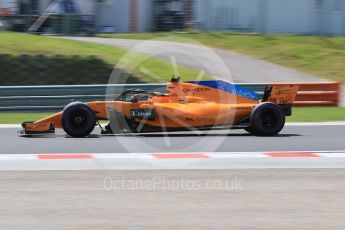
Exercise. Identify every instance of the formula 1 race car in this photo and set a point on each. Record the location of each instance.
(194, 105)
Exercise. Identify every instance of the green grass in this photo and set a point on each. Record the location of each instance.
(16, 44)
(321, 56)
(316, 114)
(307, 114)
(18, 118)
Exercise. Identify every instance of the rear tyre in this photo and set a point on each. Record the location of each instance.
(267, 119)
(78, 120)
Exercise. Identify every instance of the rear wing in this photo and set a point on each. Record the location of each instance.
(283, 94)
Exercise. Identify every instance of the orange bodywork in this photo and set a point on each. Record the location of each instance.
(188, 104)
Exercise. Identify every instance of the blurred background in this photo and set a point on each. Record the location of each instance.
(306, 35)
(322, 17)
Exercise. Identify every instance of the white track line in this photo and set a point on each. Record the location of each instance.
(169, 155)
(123, 156)
(159, 161)
(9, 126)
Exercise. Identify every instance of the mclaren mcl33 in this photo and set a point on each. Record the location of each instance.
(201, 105)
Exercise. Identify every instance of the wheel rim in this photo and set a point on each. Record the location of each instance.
(268, 119)
(79, 118)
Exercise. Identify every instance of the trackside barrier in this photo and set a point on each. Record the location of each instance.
(53, 98)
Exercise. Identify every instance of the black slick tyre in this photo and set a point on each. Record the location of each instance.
(78, 120)
(267, 119)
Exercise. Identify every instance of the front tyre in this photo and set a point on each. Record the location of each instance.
(267, 119)
(78, 120)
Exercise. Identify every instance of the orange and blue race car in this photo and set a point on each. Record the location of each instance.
(194, 105)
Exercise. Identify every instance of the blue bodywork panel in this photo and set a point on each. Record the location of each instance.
(228, 87)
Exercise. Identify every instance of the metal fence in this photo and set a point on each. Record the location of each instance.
(53, 98)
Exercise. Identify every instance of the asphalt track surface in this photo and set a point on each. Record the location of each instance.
(293, 138)
(260, 199)
(229, 149)
(249, 193)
